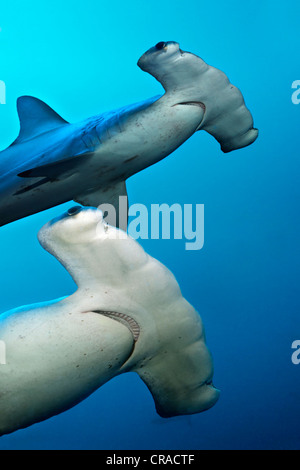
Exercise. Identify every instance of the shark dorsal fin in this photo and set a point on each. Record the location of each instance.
(36, 117)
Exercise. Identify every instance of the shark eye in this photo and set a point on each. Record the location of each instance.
(74, 210)
(160, 45)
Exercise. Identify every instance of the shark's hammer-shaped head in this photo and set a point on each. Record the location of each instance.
(115, 275)
(188, 80)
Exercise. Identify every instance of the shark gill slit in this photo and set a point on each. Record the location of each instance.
(126, 320)
(192, 103)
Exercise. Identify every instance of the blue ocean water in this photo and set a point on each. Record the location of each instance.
(80, 57)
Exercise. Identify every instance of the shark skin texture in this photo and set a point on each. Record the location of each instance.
(52, 161)
(127, 315)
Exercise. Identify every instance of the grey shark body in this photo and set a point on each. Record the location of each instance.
(53, 161)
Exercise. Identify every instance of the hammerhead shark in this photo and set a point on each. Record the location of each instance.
(53, 161)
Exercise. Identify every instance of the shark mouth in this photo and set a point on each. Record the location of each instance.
(126, 320)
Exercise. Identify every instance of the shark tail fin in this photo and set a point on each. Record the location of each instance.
(36, 118)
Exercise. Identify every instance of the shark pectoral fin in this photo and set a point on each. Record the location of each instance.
(181, 382)
(57, 169)
(112, 200)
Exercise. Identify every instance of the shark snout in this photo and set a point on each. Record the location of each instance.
(164, 46)
(161, 51)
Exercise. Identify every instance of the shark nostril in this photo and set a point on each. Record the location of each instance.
(74, 210)
(160, 45)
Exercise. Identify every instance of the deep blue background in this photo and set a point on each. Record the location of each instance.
(80, 57)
